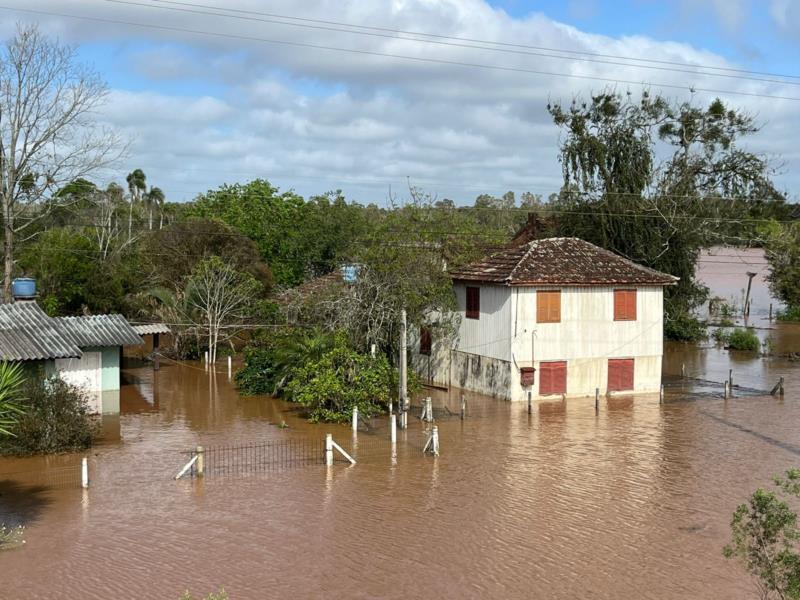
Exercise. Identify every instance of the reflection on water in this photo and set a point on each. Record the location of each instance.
(632, 501)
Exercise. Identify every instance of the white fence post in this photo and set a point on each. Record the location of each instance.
(329, 449)
(436, 440)
(230, 367)
(393, 427)
(84, 472)
(463, 407)
(661, 395)
(355, 419)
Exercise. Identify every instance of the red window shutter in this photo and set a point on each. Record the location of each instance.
(473, 302)
(552, 378)
(620, 374)
(624, 305)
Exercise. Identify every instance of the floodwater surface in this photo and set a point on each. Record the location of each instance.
(631, 502)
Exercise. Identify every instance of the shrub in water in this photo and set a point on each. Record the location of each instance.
(11, 537)
(791, 313)
(684, 328)
(744, 339)
(55, 419)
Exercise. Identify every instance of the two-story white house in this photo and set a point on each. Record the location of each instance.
(553, 317)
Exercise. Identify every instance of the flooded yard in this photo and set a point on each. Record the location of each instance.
(631, 502)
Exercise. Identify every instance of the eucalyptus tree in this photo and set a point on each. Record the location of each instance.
(48, 135)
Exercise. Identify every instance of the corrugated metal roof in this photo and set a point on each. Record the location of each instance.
(560, 261)
(151, 328)
(27, 333)
(99, 330)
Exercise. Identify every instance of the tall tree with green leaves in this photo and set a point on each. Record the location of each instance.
(656, 181)
(137, 186)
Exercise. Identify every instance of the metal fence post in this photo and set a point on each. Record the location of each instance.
(230, 367)
(436, 440)
(393, 427)
(530, 408)
(355, 419)
(201, 461)
(429, 409)
(730, 378)
(84, 472)
(727, 389)
(596, 399)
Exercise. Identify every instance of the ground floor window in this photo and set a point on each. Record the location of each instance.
(425, 341)
(552, 378)
(620, 374)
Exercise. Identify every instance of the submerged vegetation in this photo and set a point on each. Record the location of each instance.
(738, 339)
(321, 372)
(220, 595)
(11, 537)
(11, 381)
(55, 418)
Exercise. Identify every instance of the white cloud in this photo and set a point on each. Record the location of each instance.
(318, 119)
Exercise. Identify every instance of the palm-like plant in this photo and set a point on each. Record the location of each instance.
(11, 380)
(155, 197)
(296, 352)
(137, 184)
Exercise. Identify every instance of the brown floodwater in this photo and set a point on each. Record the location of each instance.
(633, 502)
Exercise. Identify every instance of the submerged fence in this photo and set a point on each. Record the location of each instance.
(66, 477)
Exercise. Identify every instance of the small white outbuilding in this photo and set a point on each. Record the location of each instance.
(553, 317)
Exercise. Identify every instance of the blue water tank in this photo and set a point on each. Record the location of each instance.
(23, 287)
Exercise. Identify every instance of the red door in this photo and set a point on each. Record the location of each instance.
(620, 374)
(552, 378)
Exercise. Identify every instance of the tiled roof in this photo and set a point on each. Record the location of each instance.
(150, 328)
(559, 261)
(99, 330)
(27, 333)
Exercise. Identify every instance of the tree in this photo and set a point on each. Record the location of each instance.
(621, 193)
(765, 536)
(155, 197)
(223, 298)
(47, 136)
(783, 254)
(137, 186)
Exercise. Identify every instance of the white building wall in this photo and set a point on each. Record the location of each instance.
(588, 336)
(491, 334)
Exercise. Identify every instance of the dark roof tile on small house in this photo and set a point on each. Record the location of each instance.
(559, 261)
(28, 333)
(99, 330)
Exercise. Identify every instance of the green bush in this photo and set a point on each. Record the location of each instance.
(744, 339)
(684, 328)
(55, 419)
(340, 380)
(721, 336)
(11, 380)
(791, 313)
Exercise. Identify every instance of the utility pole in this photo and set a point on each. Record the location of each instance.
(746, 308)
(403, 400)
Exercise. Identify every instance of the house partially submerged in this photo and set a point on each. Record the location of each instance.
(553, 317)
(84, 351)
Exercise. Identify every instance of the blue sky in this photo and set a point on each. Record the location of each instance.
(201, 111)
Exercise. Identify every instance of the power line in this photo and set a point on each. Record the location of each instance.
(416, 59)
(224, 12)
(482, 41)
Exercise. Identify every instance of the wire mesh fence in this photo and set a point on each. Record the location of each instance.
(696, 387)
(67, 477)
(257, 456)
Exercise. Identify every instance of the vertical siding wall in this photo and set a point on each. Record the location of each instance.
(491, 334)
(588, 336)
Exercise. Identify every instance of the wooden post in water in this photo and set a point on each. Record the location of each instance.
(770, 312)
(530, 408)
(329, 449)
(727, 390)
(730, 378)
(683, 369)
(780, 383)
(429, 409)
(201, 461)
(156, 357)
(463, 407)
(393, 428)
(230, 367)
(355, 419)
(436, 440)
(596, 400)
(661, 394)
(84, 472)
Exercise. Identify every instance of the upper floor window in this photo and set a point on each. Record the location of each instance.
(548, 306)
(473, 302)
(425, 341)
(624, 305)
